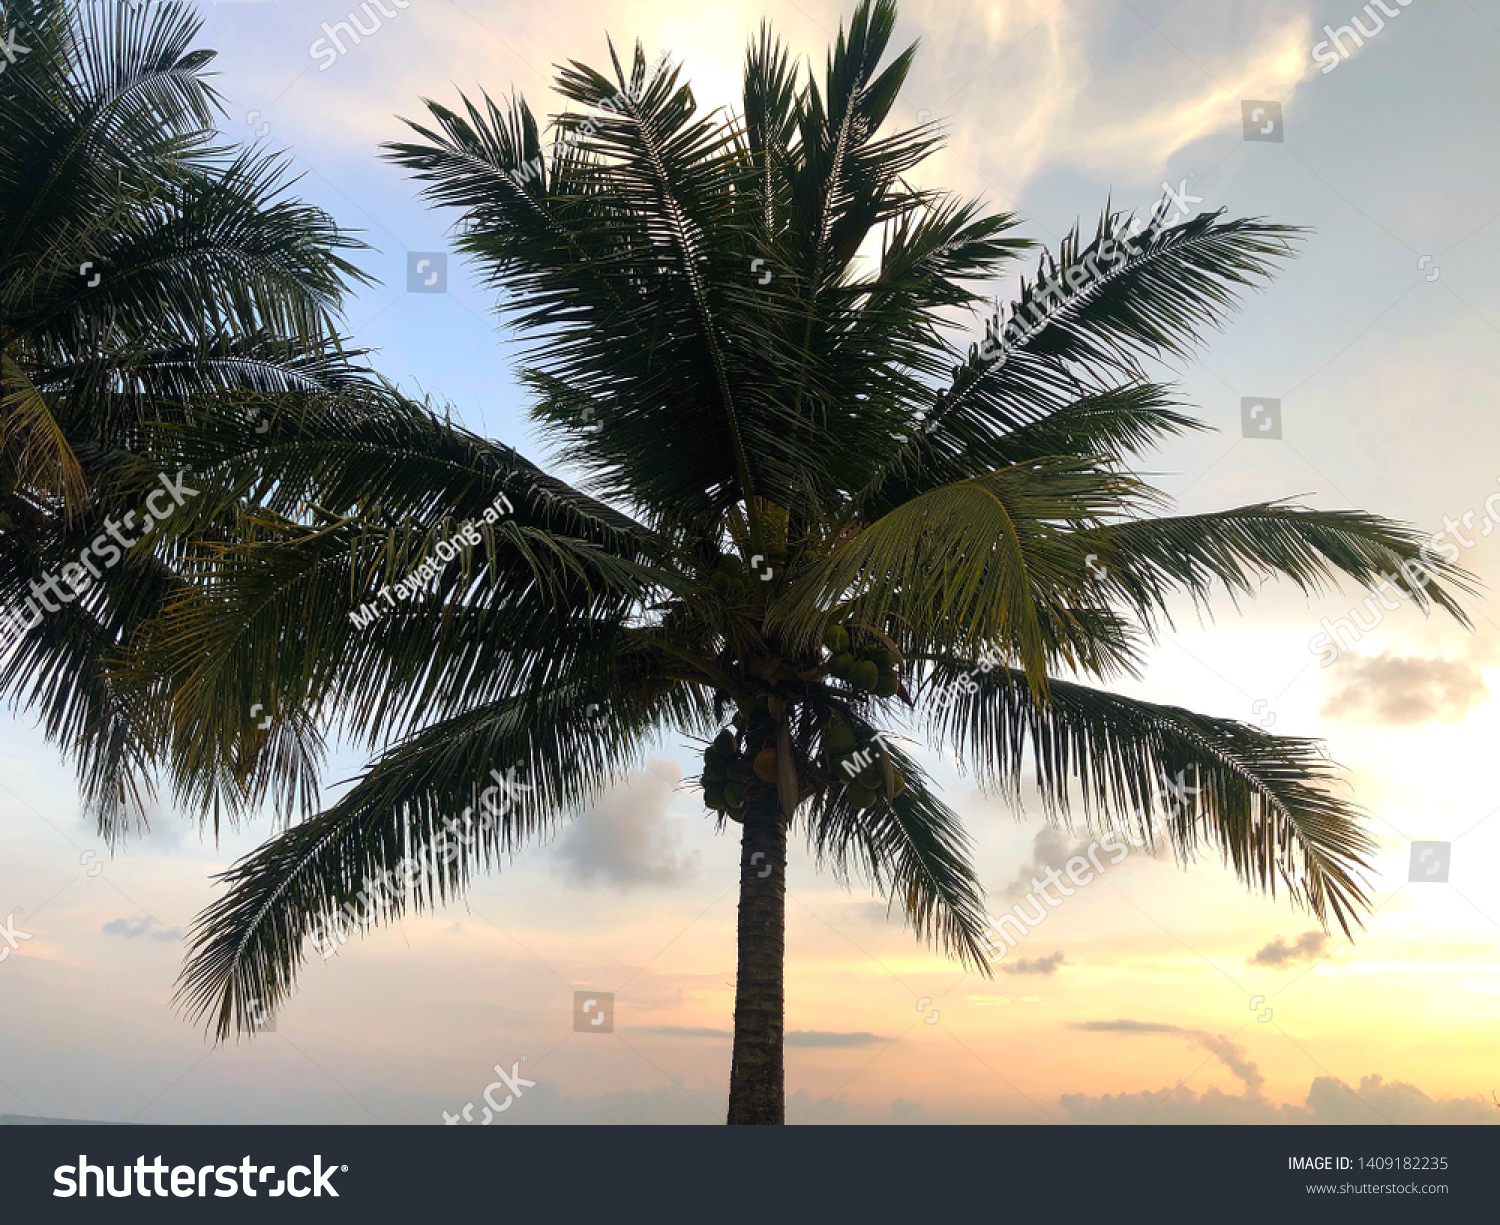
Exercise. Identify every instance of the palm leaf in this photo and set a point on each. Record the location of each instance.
(1264, 801)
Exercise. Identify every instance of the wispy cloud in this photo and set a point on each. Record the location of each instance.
(1230, 1054)
(685, 1031)
(819, 1037)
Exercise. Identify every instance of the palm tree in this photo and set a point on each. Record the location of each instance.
(145, 270)
(808, 512)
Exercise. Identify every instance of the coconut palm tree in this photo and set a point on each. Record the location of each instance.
(144, 269)
(808, 512)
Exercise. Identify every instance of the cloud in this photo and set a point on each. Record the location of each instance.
(150, 926)
(820, 1037)
(802, 1107)
(1034, 965)
(1329, 1101)
(683, 1031)
(906, 1111)
(1178, 1105)
(1230, 1054)
(627, 840)
(1051, 849)
(1309, 947)
(1403, 690)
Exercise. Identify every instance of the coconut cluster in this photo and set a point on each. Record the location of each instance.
(732, 581)
(863, 767)
(737, 759)
(868, 669)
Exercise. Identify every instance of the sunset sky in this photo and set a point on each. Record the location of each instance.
(1161, 992)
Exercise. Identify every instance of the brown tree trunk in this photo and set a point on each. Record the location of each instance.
(757, 1089)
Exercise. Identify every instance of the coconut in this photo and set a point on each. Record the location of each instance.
(839, 738)
(765, 765)
(864, 676)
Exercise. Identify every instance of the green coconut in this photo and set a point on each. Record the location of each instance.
(861, 796)
(864, 676)
(836, 639)
(839, 738)
(841, 665)
(888, 684)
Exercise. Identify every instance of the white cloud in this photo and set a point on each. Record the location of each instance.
(628, 840)
(1403, 690)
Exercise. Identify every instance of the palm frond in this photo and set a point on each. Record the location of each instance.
(982, 561)
(1265, 802)
(1146, 561)
(914, 851)
(521, 763)
(1092, 315)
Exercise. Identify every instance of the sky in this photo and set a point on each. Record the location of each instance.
(1159, 992)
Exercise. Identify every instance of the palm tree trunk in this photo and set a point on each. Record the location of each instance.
(757, 1088)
